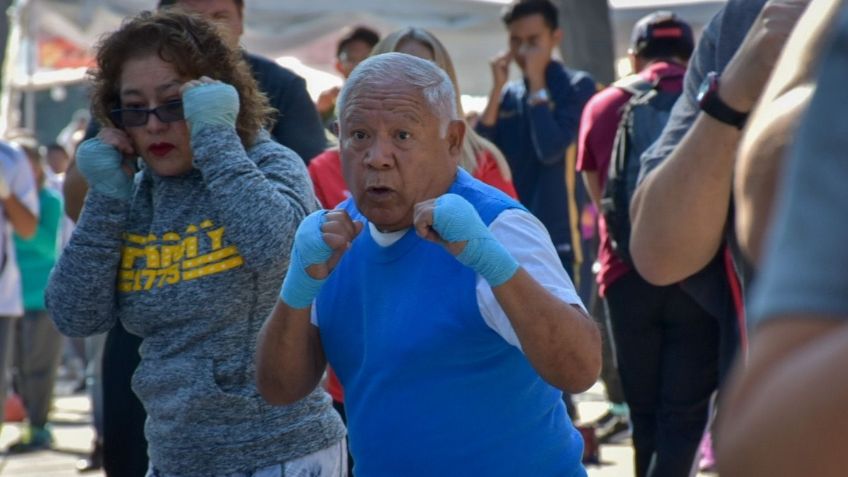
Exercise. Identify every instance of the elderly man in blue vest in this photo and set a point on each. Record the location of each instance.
(439, 301)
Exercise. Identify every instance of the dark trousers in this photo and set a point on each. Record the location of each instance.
(667, 349)
(609, 368)
(124, 445)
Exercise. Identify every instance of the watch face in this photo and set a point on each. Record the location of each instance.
(705, 87)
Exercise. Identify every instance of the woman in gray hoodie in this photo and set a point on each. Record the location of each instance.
(189, 252)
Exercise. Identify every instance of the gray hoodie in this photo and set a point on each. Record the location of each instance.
(193, 265)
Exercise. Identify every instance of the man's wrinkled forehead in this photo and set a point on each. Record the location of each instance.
(395, 97)
(210, 8)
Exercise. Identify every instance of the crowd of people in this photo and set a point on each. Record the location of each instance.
(379, 284)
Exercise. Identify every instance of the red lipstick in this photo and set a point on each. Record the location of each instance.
(161, 148)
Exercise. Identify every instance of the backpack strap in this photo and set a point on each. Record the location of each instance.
(636, 85)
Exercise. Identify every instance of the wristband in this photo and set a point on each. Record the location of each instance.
(210, 104)
(299, 289)
(100, 164)
(456, 220)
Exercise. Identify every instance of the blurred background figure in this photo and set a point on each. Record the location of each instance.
(297, 125)
(480, 157)
(18, 215)
(353, 47)
(71, 135)
(38, 342)
(57, 158)
(666, 345)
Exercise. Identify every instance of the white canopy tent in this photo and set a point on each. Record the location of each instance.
(302, 34)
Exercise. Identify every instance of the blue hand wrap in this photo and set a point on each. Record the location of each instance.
(100, 164)
(210, 104)
(299, 289)
(455, 219)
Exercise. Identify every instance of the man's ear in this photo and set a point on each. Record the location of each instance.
(339, 67)
(455, 136)
(558, 35)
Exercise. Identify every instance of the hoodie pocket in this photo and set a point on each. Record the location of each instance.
(184, 390)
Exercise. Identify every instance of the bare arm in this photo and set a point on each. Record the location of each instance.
(679, 212)
(773, 123)
(785, 411)
(289, 358)
(74, 190)
(764, 430)
(758, 169)
(559, 340)
(500, 73)
(593, 187)
(23, 220)
(19, 194)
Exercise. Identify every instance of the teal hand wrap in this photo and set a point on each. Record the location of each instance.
(455, 219)
(100, 164)
(210, 104)
(299, 289)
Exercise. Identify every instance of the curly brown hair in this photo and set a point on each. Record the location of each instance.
(194, 47)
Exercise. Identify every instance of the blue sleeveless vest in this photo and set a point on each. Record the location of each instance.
(430, 389)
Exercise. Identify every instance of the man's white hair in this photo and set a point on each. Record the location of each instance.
(432, 81)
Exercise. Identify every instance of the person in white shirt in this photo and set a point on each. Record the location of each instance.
(19, 214)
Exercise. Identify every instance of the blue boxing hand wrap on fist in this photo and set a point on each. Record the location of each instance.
(299, 289)
(210, 104)
(456, 220)
(100, 164)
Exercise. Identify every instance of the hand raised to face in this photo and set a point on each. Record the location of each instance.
(208, 102)
(536, 61)
(106, 162)
(500, 68)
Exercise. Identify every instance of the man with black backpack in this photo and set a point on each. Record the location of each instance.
(666, 344)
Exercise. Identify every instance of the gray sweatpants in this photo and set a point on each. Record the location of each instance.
(38, 351)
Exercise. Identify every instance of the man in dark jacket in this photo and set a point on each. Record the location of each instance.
(534, 121)
(298, 125)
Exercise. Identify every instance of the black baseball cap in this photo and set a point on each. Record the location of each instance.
(662, 34)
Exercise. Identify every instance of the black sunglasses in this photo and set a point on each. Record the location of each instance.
(133, 117)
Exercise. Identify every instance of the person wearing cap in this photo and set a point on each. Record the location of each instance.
(682, 211)
(666, 344)
(354, 46)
